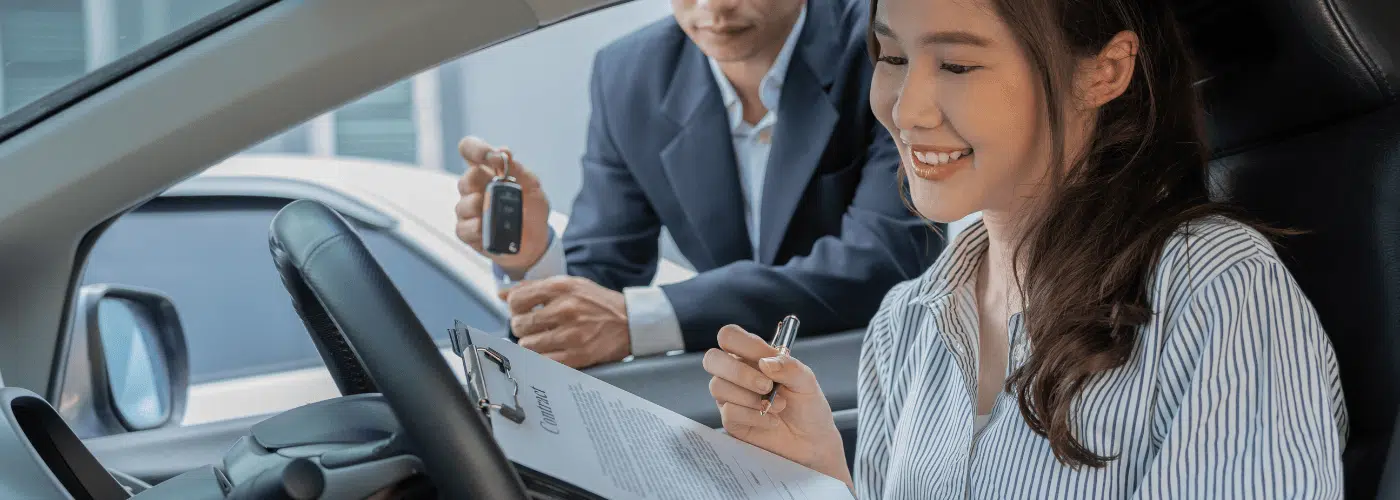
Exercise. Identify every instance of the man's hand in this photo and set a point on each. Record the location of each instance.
(578, 322)
(483, 163)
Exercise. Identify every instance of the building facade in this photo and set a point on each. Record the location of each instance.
(45, 44)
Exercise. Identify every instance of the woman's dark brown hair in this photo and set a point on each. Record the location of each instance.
(1087, 255)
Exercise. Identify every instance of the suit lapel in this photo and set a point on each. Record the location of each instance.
(699, 161)
(806, 118)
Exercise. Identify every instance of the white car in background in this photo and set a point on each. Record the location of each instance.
(249, 352)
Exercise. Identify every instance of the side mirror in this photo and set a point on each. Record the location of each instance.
(128, 367)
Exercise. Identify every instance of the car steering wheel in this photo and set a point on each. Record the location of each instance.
(369, 336)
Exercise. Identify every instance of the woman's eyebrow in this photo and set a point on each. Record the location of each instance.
(955, 37)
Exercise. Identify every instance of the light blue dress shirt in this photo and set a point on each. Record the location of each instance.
(651, 319)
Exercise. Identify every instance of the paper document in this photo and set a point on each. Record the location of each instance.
(617, 445)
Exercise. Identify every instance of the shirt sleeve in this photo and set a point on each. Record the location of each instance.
(550, 264)
(874, 413)
(1259, 411)
(651, 320)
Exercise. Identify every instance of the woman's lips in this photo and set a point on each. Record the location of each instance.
(936, 164)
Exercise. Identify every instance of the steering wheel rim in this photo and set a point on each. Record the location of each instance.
(332, 276)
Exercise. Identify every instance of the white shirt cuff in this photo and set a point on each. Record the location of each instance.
(550, 264)
(651, 321)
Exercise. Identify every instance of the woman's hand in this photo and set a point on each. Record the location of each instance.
(798, 427)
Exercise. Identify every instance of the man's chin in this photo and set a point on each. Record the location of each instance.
(726, 48)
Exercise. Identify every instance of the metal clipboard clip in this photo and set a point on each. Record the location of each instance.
(476, 380)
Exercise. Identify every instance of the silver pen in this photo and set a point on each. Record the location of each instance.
(782, 339)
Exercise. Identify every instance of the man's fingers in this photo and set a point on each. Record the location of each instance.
(742, 416)
(470, 205)
(474, 150)
(481, 155)
(475, 179)
(469, 231)
(794, 375)
(495, 163)
(531, 323)
(720, 364)
(736, 340)
(571, 358)
(549, 341)
(525, 296)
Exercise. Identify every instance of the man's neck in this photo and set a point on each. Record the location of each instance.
(746, 77)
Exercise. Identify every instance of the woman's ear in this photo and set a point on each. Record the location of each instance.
(1106, 76)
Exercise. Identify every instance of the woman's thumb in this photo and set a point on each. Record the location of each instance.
(789, 372)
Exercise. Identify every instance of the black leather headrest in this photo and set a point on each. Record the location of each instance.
(1275, 68)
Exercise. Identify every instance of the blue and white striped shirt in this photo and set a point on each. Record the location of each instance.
(1232, 390)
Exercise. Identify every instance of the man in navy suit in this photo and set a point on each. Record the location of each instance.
(744, 128)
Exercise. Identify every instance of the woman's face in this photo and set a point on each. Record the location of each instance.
(962, 102)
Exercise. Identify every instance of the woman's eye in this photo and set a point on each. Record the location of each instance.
(894, 60)
(957, 69)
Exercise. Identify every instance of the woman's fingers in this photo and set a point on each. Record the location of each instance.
(791, 373)
(740, 385)
(722, 365)
(735, 415)
(750, 347)
(725, 391)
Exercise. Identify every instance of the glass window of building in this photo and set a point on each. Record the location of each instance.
(42, 47)
(380, 125)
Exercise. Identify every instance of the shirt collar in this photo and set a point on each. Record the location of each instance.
(770, 88)
(955, 267)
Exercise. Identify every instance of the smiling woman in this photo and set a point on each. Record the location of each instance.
(1075, 341)
(1075, 127)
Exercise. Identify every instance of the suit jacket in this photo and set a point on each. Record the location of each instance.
(835, 235)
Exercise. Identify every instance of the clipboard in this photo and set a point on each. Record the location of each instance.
(476, 362)
(593, 439)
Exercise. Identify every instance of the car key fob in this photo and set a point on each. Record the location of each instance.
(501, 216)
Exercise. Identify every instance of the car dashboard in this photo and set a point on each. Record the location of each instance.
(346, 447)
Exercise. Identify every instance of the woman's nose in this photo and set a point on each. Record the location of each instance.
(917, 105)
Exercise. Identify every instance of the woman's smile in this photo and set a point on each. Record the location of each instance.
(936, 164)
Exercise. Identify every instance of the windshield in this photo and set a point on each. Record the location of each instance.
(47, 44)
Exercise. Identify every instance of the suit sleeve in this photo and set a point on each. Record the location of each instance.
(613, 231)
(837, 286)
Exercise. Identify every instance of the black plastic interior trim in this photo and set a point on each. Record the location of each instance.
(64, 454)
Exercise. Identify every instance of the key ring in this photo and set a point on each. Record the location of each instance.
(506, 155)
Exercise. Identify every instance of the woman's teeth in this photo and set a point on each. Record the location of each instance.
(932, 158)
